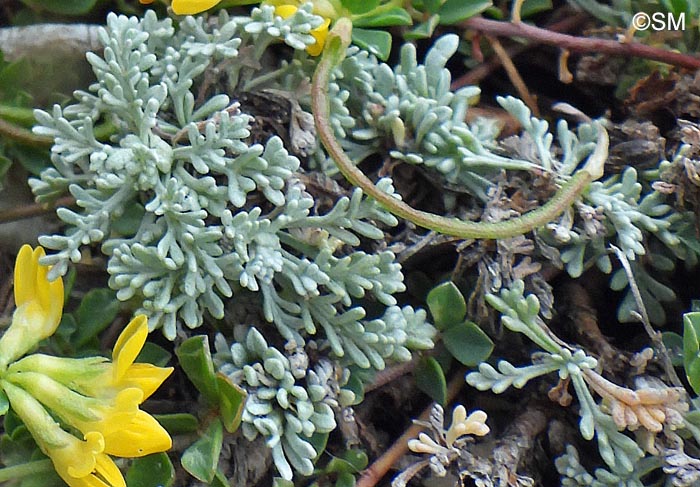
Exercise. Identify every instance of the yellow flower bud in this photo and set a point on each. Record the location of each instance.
(39, 306)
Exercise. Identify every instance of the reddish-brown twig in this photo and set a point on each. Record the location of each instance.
(474, 76)
(381, 465)
(30, 211)
(580, 44)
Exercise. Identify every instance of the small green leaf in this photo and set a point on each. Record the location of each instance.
(467, 343)
(446, 304)
(454, 11)
(433, 6)
(151, 470)
(691, 334)
(231, 402)
(202, 457)
(357, 458)
(692, 370)
(195, 358)
(96, 312)
(4, 403)
(358, 7)
(430, 379)
(178, 423)
(319, 442)
(532, 7)
(63, 7)
(378, 42)
(154, 354)
(345, 479)
(424, 30)
(691, 346)
(394, 16)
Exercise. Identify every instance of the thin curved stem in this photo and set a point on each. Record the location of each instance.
(334, 52)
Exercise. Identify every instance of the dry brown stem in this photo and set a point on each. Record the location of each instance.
(374, 473)
(580, 44)
(30, 211)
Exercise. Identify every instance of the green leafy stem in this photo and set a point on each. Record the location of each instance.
(333, 54)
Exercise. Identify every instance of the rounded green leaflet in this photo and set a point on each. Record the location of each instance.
(446, 304)
(430, 379)
(156, 469)
(467, 343)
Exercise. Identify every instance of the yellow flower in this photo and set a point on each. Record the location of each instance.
(107, 399)
(124, 372)
(127, 431)
(319, 33)
(96, 376)
(79, 463)
(39, 306)
(189, 7)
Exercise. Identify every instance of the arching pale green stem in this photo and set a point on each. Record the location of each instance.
(333, 54)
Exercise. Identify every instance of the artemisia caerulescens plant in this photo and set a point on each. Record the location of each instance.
(96, 400)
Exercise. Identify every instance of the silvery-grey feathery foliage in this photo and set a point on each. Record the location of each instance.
(620, 209)
(411, 109)
(190, 210)
(184, 174)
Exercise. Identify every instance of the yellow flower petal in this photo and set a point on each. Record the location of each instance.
(80, 463)
(128, 346)
(39, 306)
(191, 7)
(146, 377)
(319, 33)
(25, 270)
(285, 11)
(141, 435)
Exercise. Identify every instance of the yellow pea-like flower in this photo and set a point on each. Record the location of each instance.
(93, 396)
(80, 463)
(39, 306)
